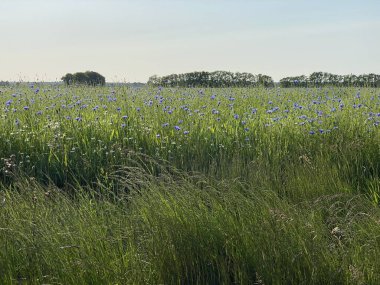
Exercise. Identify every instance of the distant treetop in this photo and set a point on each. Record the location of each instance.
(319, 79)
(212, 79)
(87, 78)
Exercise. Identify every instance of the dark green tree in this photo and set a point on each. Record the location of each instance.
(87, 78)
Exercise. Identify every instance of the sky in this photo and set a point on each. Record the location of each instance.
(131, 40)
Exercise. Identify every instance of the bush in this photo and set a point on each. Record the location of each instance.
(87, 78)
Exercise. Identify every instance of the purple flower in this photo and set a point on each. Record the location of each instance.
(312, 132)
(124, 117)
(26, 108)
(177, 128)
(236, 116)
(186, 132)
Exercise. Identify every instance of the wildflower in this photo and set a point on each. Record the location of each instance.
(186, 132)
(177, 128)
(236, 116)
(26, 108)
(312, 132)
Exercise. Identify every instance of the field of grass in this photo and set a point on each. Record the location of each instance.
(116, 185)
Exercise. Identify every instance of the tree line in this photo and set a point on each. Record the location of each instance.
(87, 78)
(212, 79)
(320, 79)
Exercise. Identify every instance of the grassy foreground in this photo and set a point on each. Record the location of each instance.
(183, 230)
(184, 186)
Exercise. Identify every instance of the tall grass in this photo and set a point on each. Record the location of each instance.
(183, 186)
(178, 229)
(66, 135)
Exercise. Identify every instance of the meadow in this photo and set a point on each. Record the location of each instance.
(121, 185)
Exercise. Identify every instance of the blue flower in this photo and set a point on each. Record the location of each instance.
(177, 128)
(236, 116)
(26, 108)
(185, 132)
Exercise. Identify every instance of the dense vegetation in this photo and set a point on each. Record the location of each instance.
(230, 79)
(87, 78)
(212, 79)
(319, 79)
(189, 186)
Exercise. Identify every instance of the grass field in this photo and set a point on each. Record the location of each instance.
(116, 185)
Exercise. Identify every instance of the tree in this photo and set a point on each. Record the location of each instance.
(87, 78)
(212, 79)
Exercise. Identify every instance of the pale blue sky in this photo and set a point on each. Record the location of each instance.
(134, 39)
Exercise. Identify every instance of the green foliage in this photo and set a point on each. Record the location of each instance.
(116, 185)
(87, 78)
(180, 229)
(320, 79)
(212, 79)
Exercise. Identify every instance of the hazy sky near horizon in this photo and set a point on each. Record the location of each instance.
(134, 39)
